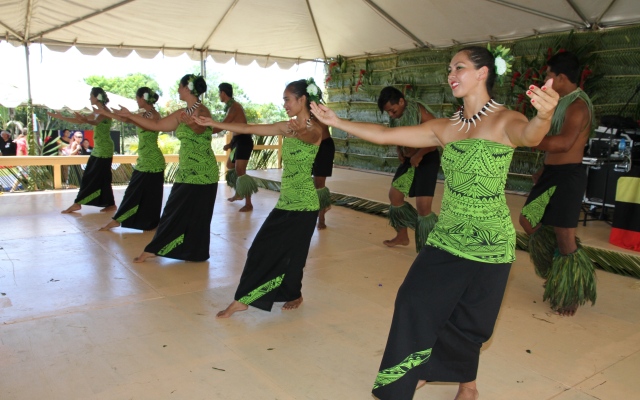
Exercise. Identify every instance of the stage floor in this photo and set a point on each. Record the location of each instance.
(79, 320)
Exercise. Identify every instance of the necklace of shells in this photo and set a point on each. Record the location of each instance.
(459, 115)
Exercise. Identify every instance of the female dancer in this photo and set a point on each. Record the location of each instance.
(322, 168)
(449, 301)
(142, 202)
(183, 232)
(273, 270)
(95, 187)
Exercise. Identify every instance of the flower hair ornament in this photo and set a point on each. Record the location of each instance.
(100, 98)
(191, 85)
(503, 60)
(313, 91)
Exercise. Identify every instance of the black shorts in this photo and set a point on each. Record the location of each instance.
(323, 164)
(243, 144)
(426, 175)
(556, 199)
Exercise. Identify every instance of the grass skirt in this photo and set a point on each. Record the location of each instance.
(571, 281)
(231, 176)
(424, 226)
(404, 216)
(142, 202)
(324, 195)
(185, 225)
(245, 186)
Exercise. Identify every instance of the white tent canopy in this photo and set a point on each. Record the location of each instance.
(289, 31)
(72, 97)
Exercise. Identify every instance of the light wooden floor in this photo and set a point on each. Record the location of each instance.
(79, 320)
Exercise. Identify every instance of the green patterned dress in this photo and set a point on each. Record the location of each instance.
(95, 186)
(184, 229)
(142, 202)
(275, 261)
(449, 301)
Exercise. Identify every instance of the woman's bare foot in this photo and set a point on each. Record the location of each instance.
(467, 391)
(293, 304)
(321, 221)
(246, 208)
(109, 208)
(143, 257)
(396, 241)
(234, 198)
(112, 224)
(74, 207)
(233, 307)
(568, 311)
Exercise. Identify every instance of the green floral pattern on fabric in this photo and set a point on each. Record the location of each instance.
(404, 181)
(297, 191)
(171, 245)
(390, 375)
(197, 163)
(128, 214)
(90, 197)
(262, 290)
(150, 158)
(102, 142)
(534, 211)
(475, 222)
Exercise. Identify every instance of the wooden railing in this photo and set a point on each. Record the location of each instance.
(58, 161)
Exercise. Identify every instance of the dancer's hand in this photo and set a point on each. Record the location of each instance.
(544, 99)
(123, 112)
(204, 121)
(416, 159)
(324, 114)
(296, 126)
(81, 117)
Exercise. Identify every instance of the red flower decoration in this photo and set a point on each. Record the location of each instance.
(362, 72)
(516, 75)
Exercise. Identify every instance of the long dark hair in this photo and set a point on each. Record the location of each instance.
(299, 89)
(481, 57)
(199, 84)
(152, 97)
(95, 91)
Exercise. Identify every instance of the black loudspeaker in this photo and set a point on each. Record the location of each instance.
(601, 178)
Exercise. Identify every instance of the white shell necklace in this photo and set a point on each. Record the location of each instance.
(459, 115)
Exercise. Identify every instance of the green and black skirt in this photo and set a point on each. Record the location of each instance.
(142, 202)
(95, 187)
(184, 229)
(445, 309)
(276, 259)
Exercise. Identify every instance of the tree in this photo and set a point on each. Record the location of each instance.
(126, 86)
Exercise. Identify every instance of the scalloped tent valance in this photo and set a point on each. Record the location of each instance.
(290, 31)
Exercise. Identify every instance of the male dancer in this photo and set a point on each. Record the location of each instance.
(241, 147)
(415, 177)
(551, 212)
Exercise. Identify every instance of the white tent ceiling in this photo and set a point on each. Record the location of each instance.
(287, 31)
(59, 96)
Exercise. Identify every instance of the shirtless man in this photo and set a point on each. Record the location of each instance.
(552, 210)
(415, 177)
(241, 147)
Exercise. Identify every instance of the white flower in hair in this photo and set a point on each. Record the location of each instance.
(190, 85)
(501, 66)
(312, 89)
(99, 97)
(145, 96)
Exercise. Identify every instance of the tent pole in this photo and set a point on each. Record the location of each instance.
(30, 124)
(203, 65)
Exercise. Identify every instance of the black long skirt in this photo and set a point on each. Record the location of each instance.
(278, 254)
(95, 187)
(142, 202)
(183, 232)
(445, 309)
